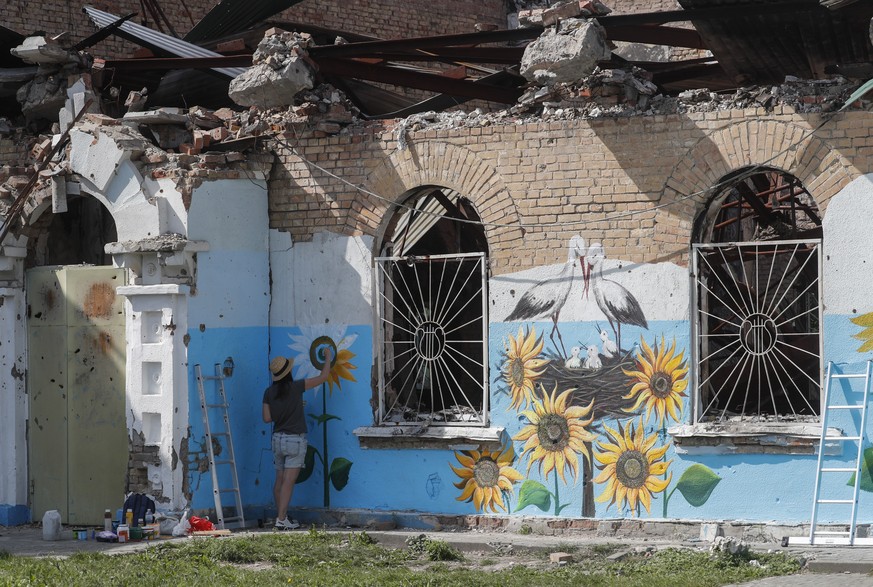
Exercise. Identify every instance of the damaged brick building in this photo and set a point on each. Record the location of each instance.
(572, 258)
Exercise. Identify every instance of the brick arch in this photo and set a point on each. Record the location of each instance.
(444, 164)
(782, 145)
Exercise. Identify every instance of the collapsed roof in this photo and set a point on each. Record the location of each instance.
(732, 43)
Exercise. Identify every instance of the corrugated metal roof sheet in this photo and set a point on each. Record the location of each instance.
(234, 16)
(156, 41)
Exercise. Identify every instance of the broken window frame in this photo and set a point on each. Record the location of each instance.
(751, 218)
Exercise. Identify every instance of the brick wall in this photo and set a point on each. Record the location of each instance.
(391, 19)
(540, 182)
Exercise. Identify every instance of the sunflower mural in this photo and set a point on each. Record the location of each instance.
(486, 477)
(629, 465)
(523, 366)
(555, 435)
(659, 382)
(310, 346)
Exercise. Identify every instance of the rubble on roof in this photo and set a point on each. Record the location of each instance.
(281, 69)
(609, 93)
(565, 53)
(44, 96)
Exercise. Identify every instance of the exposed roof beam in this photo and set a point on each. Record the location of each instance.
(468, 39)
(720, 13)
(656, 35)
(414, 79)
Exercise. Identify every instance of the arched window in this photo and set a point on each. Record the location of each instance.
(431, 279)
(757, 320)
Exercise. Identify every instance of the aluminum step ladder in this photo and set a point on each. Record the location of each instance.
(859, 410)
(224, 438)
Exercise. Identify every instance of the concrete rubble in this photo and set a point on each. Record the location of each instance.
(565, 53)
(280, 70)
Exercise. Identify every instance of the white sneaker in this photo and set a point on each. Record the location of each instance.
(287, 524)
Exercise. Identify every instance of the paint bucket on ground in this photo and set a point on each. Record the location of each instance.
(51, 525)
(81, 533)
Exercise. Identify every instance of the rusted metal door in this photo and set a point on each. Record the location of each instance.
(76, 380)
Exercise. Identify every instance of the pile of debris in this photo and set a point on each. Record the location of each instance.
(281, 69)
(612, 93)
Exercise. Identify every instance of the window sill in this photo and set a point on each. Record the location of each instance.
(752, 438)
(433, 437)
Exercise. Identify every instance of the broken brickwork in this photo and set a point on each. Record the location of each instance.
(141, 456)
(527, 176)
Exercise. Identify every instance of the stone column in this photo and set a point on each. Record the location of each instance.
(13, 391)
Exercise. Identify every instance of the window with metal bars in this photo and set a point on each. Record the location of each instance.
(757, 291)
(432, 313)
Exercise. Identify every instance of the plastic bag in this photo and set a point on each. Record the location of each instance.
(201, 524)
(183, 527)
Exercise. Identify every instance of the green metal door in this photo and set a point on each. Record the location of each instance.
(76, 380)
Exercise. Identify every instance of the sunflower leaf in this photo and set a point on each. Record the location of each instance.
(866, 346)
(339, 472)
(534, 493)
(308, 464)
(696, 484)
(326, 418)
(866, 471)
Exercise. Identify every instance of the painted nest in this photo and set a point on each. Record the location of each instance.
(606, 384)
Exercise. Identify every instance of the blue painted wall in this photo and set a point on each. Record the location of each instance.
(747, 486)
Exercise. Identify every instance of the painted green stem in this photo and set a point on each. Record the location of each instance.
(557, 500)
(325, 460)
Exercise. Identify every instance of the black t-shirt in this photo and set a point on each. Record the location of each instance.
(285, 399)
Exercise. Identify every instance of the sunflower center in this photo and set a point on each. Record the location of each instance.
(661, 384)
(516, 373)
(632, 469)
(486, 472)
(553, 432)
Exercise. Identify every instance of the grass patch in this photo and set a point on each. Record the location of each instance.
(319, 558)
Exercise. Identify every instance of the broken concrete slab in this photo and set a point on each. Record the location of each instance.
(565, 55)
(38, 50)
(281, 69)
(265, 87)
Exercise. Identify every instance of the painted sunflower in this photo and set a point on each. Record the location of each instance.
(630, 467)
(556, 434)
(660, 381)
(523, 367)
(310, 345)
(484, 476)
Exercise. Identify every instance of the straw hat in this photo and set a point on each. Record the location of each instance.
(280, 367)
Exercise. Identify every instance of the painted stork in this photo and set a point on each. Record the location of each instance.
(609, 347)
(574, 361)
(546, 298)
(593, 361)
(616, 302)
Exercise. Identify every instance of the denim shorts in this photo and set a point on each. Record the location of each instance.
(289, 450)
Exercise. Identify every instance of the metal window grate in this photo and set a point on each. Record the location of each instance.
(757, 329)
(432, 339)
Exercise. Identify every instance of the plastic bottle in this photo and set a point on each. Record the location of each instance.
(128, 519)
(107, 521)
(149, 519)
(51, 525)
(140, 523)
(123, 533)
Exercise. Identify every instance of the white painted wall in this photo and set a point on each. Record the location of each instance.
(848, 254)
(325, 281)
(13, 399)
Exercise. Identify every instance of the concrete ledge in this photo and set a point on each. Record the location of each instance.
(14, 515)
